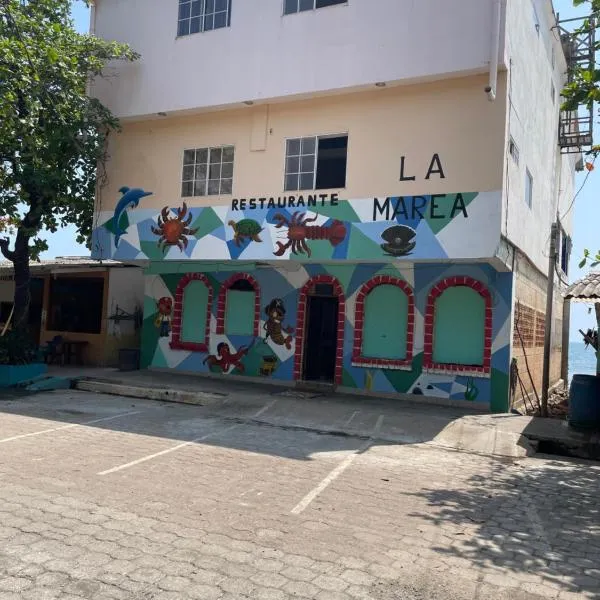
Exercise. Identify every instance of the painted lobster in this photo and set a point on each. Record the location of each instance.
(298, 232)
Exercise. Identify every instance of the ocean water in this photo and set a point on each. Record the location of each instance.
(581, 359)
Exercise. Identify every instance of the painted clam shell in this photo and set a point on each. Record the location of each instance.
(400, 240)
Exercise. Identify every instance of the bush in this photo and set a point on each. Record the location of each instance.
(16, 348)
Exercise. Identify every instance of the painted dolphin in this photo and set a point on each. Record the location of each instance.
(130, 199)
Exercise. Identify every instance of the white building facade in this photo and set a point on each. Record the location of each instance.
(353, 194)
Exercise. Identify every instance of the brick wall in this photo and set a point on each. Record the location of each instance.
(529, 317)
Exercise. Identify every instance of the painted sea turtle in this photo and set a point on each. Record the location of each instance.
(245, 229)
(400, 240)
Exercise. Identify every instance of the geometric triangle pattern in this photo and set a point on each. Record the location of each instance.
(271, 355)
(395, 229)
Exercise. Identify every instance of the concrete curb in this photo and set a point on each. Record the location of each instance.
(163, 394)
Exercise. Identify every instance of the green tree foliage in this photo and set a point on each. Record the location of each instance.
(52, 134)
(584, 90)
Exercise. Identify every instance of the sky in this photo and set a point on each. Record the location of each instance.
(586, 223)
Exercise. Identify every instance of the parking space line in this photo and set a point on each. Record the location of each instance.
(337, 471)
(33, 433)
(167, 451)
(265, 408)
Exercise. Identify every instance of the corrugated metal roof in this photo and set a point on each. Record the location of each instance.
(62, 262)
(586, 289)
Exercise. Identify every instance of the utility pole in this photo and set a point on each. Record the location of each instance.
(548, 330)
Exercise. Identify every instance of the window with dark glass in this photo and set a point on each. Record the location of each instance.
(76, 304)
(196, 16)
(294, 6)
(316, 163)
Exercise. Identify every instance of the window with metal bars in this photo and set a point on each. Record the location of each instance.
(207, 171)
(196, 16)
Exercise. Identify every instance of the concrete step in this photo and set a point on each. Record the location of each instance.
(100, 386)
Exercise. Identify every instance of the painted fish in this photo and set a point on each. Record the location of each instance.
(130, 199)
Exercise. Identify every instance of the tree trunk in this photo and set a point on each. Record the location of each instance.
(20, 260)
(22, 297)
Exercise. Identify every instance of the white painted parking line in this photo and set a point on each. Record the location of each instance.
(351, 418)
(26, 435)
(265, 408)
(167, 451)
(333, 475)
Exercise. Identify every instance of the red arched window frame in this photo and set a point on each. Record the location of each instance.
(176, 342)
(434, 294)
(222, 301)
(305, 292)
(359, 322)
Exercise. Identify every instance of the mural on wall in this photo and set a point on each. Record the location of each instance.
(130, 198)
(298, 232)
(173, 231)
(315, 227)
(399, 240)
(246, 229)
(226, 360)
(273, 326)
(268, 357)
(163, 317)
(471, 392)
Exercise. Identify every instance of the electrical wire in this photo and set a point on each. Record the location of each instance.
(578, 191)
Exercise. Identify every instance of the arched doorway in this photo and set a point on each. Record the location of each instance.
(320, 331)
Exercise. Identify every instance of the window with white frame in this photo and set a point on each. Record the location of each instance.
(528, 188)
(207, 171)
(294, 6)
(316, 162)
(202, 15)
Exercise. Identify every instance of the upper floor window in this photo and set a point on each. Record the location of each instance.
(202, 15)
(207, 171)
(528, 188)
(565, 251)
(316, 163)
(294, 6)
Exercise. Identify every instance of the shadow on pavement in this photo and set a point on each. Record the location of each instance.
(540, 521)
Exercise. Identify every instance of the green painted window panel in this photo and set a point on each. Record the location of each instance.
(239, 313)
(385, 324)
(195, 305)
(459, 327)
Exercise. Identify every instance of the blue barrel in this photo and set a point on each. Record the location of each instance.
(584, 402)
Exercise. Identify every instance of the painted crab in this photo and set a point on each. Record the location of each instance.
(399, 240)
(246, 229)
(173, 231)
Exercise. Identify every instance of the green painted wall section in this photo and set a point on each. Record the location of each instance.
(386, 315)
(459, 328)
(195, 300)
(239, 313)
(500, 391)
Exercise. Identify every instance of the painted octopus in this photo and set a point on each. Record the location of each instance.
(173, 231)
(225, 359)
(274, 324)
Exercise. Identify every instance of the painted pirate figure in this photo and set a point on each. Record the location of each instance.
(275, 312)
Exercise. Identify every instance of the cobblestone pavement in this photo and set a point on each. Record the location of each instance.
(105, 498)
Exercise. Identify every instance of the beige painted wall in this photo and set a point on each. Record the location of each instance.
(452, 118)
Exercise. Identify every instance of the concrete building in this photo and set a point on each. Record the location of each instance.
(83, 301)
(352, 193)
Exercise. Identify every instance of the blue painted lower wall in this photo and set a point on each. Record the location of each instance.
(276, 359)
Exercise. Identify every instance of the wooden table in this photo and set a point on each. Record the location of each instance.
(73, 349)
